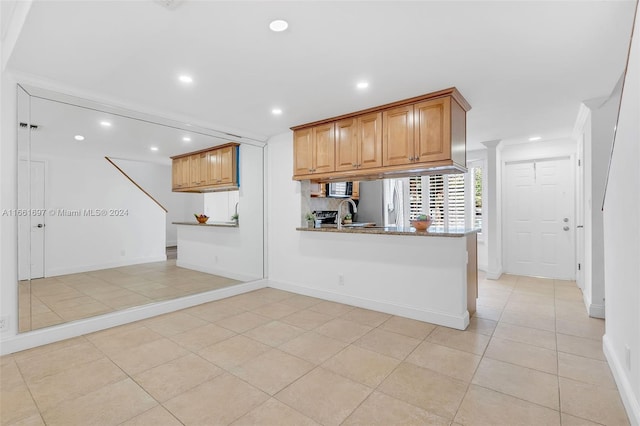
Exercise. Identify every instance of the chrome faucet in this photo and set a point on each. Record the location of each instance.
(339, 216)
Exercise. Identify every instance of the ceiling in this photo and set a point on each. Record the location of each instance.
(523, 66)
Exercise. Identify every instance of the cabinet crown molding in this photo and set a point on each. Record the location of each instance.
(452, 92)
(205, 150)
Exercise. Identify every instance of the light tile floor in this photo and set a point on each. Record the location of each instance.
(50, 301)
(531, 356)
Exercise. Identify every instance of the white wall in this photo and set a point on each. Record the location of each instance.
(536, 150)
(597, 131)
(220, 206)
(232, 252)
(156, 180)
(8, 200)
(418, 277)
(76, 244)
(622, 243)
(483, 254)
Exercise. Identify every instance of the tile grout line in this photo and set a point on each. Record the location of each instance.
(376, 389)
(466, 392)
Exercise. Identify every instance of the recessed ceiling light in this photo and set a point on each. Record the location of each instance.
(362, 85)
(186, 78)
(154, 148)
(535, 138)
(105, 124)
(278, 25)
(186, 139)
(276, 111)
(79, 137)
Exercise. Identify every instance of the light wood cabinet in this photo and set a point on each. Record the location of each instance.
(181, 176)
(314, 150)
(421, 135)
(221, 166)
(213, 169)
(355, 194)
(359, 142)
(198, 169)
(432, 130)
(398, 135)
(418, 133)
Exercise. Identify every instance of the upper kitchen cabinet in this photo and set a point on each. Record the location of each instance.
(181, 173)
(221, 166)
(398, 141)
(421, 135)
(198, 165)
(359, 142)
(314, 150)
(212, 169)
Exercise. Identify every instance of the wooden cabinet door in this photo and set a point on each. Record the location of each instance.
(397, 136)
(303, 152)
(346, 144)
(213, 168)
(225, 164)
(355, 193)
(220, 164)
(175, 174)
(198, 171)
(432, 130)
(369, 139)
(185, 172)
(323, 154)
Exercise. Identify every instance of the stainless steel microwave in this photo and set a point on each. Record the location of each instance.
(340, 189)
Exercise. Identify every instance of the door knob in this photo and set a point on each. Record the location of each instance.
(565, 220)
(40, 225)
(566, 228)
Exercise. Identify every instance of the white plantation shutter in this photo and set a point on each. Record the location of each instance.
(455, 201)
(437, 198)
(415, 197)
(440, 196)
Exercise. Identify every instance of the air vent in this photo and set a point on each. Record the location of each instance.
(169, 4)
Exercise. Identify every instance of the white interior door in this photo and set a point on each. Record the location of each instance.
(31, 226)
(539, 218)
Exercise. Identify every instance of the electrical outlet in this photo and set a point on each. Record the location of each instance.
(215, 259)
(4, 323)
(627, 357)
(340, 279)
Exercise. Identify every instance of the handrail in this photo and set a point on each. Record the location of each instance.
(136, 184)
(615, 129)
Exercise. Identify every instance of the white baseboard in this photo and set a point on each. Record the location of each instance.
(440, 318)
(171, 243)
(482, 267)
(596, 311)
(494, 275)
(631, 404)
(98, 266)
(216, 271)
(31, 339)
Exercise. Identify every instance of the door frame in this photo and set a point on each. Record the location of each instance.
(580, 196)
(572, 156)
(45, 196)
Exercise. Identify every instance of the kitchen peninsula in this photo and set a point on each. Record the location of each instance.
(429, 276)
(225, 247)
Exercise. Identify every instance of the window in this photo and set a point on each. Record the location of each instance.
(476, 194)
(440, 196)
(415, 197)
